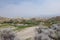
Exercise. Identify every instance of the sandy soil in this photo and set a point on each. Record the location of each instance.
(26, 33)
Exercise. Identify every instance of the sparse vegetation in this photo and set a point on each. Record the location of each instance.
(24, 23)
(20, 24)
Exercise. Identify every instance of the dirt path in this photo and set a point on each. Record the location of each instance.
(26, 33)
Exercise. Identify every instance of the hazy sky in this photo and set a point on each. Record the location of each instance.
(29, 8)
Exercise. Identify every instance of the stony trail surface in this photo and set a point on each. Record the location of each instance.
(26, 33)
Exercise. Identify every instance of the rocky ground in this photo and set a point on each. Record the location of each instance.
(32, 33)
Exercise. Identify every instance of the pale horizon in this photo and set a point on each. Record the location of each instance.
(29, 8)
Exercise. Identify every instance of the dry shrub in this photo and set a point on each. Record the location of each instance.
(7, 34)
